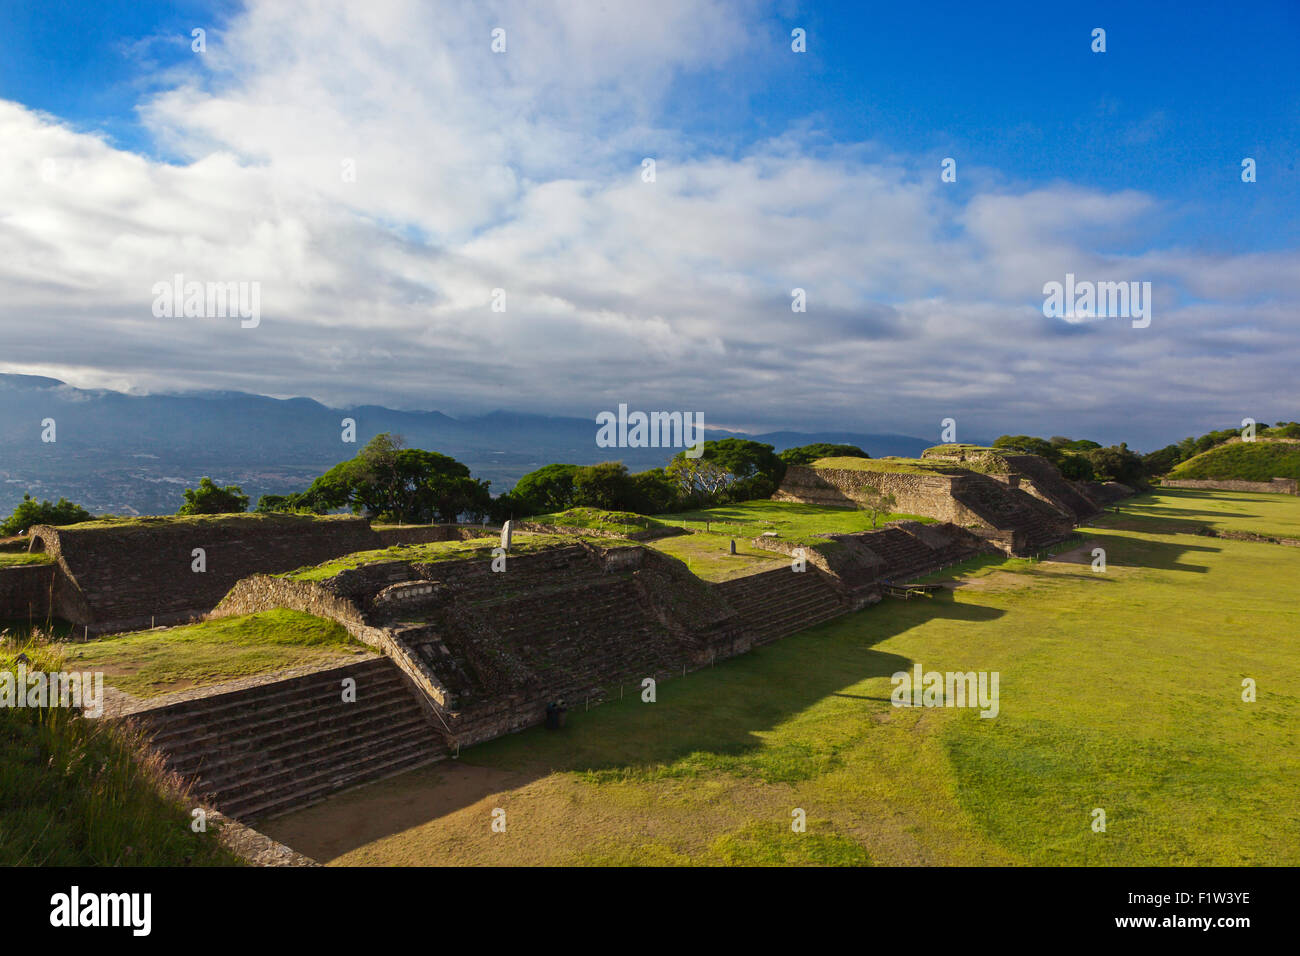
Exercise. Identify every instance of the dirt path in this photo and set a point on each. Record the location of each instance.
(354, 818)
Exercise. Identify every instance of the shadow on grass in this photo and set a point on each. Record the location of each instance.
(1123, 551)
(709, 721)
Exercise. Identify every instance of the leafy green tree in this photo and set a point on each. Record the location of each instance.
(731, 469)
(544, 491)
(1117, 463)
(389, 482)
(653, 492)
(1076, 467)
(1028, 445)
(1162, 461)
(606, 485)
(296, 503)
(30, 512)
(807, 454)
(210, 498)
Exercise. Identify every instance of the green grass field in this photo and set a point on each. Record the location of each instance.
(1119, 691)
(148, 663)
(1187, 509)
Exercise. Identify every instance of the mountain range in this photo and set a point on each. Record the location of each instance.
(122, 453)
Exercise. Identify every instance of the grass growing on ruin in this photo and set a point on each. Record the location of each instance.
(619, 522)
(792, 520)
(1184, 510)
(432, 552)
(14, 559)
(129, 522)
(79, 792)
(148, 663)
(1119, 691)
(707, 555)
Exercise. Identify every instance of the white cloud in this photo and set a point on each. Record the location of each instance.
(522, 171)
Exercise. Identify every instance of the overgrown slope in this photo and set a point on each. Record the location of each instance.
(1259, 460)
(79, 792)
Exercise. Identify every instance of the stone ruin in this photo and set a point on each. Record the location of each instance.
(466, 653)
(1021, 504)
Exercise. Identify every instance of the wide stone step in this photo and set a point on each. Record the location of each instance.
(259, 803)
(236, 745)
(265, 699)
(314, 758)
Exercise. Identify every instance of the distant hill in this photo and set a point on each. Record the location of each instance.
(133, 454)
(1257, 460)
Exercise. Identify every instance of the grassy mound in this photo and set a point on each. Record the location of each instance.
(1259, 460)
(148, 663)
(435, 551)
(622, 522)
(78, 792)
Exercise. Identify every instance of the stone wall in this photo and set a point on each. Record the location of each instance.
(646, 534)
(423, 534)
(1281, 486)
(919, 494)
(26, 591)
(263, 592)
(1012, 519)
(134, 575)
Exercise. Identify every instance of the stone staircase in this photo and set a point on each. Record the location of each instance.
(774, 604)
(905, 556)
(282, 745)
(1008, 509)
(587, 638)
(1054, 487)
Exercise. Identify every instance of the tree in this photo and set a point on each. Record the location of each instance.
(390, 482)
(607, 486)
(1117, 463)
(1028, 445)
(30, 512)
(210, 498)
(1162, 461)
(544, 491)
(1075, 467)
(874, 502)
(807, 454)
(653, 492)
(732, 469)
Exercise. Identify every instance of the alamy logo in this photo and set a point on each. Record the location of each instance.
(103, 909)
(655, 430)
(947, 689)
(1084, 300)
(208, 300)
(38, 689)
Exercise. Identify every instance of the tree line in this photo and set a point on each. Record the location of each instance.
(388, 482)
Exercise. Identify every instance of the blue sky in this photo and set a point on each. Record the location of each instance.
(1126, 160)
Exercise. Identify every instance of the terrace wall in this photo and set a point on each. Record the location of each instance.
(26, 590)
(928, 495)
(1280, 486)
(130, 576)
